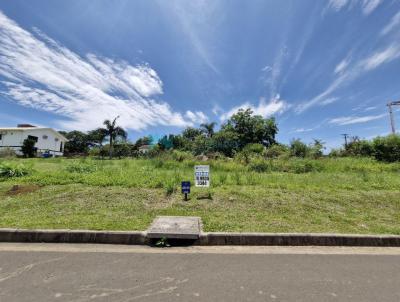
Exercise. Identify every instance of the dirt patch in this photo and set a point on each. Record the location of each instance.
(22, 189)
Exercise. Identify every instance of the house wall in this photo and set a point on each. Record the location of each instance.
(47, 140)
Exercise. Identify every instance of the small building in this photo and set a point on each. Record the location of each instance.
(48, 141)
(144, 149)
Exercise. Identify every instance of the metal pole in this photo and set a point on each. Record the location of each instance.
(391, 118)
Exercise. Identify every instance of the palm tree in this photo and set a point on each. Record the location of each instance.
(113, 132)
(208, 129)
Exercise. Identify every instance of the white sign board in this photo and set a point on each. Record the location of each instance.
(202, 176)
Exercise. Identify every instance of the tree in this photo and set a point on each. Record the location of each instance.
(96, 137)
(387, 148)
(298, 148)
(252, 128)
(77, 142)
(190, 133)
(28, 148)
(225, 142)
(113, 132)
(208, 128)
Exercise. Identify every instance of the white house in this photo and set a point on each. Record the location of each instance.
(47, 139)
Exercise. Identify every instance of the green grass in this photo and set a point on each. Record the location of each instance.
(344, 195)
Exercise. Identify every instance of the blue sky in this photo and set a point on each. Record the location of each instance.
(322, 68)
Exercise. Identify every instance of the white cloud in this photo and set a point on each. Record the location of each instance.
(338, 4)
(390, 53)
(302, 130)
(367, 6)
(395, 21)
(345, 77)
(44, 75)
(370, 108)
(328, 101)
(196, 117)
(342, 65)
(274, 106)
(348, 120)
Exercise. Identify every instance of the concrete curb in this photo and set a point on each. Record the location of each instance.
(72, 236)
(298, 239)
(140, 238)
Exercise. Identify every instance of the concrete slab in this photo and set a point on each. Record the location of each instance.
(175, 227)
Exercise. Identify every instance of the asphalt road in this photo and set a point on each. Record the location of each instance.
(46, 272)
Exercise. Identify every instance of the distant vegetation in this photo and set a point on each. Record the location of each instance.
(247, 137)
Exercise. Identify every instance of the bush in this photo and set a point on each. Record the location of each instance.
(259, 165)
(387, 148)
(359, 148)
(254, 148)
(7, 152)
(8, 170)
(28, 148)
(81, 167)
(275, 151)
(181, 155)
(298, 148)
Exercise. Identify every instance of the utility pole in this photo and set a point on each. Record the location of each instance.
(345, 135)
(390, 104)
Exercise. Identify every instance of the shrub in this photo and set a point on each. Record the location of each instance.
(8, 170)
(7, 152)
(254, 148)
(28, 148)
(181, 155)
(387, 148)
(275, 151)
(359, 148)
(298, 148)
(81, 167)
(259, 165)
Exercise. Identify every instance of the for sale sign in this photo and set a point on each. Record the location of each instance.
(202, 176)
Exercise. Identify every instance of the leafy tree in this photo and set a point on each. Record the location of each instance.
(208, 128)
(113, 132)
(202, 145)
(96, 137)
(146, 140)
(225, 142)
(387, 148)
(28, 148)
(191, 133)
(252, 128)
(316, 148)
(298, 148)
(77, 142)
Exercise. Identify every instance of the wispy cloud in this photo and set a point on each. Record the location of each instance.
(349, 73)
(394, 22)
(366, 6)
(42, 74)
(383, 56)
(274, 106)
(348, 120)
(328, 101)
(342, 65)
(197, 117)
(338, 4)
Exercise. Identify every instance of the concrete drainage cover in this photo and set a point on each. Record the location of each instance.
(175, 227)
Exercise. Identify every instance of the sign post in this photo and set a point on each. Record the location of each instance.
(202, 176)
(186, 188)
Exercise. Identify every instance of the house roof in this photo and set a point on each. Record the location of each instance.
(62, 137)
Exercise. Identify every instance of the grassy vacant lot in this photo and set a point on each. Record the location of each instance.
(327, 195)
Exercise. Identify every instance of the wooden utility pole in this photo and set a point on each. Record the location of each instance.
(390, 104)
